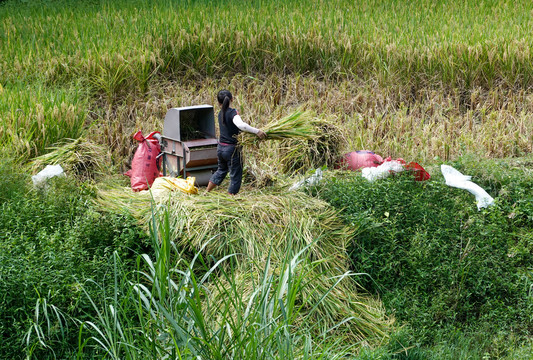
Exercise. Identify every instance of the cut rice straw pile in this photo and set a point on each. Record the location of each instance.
(249, 225)
(80, 157)
(263, 227)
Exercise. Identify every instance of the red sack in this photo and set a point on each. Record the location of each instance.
(360, 159)
(144, 166)
(418, 171)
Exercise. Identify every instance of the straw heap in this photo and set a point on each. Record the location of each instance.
(265, 226)
(80, 157)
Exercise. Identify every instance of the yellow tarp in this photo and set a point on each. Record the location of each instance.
(162, 185)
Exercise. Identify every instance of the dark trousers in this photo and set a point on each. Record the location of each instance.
(229, 160)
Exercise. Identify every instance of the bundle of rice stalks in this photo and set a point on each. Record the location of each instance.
(298, 125)
(297, 156)
(249, 225)
(260, 221)
(80, 157)
(265, 163)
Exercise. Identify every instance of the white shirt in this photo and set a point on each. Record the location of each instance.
(244, 126)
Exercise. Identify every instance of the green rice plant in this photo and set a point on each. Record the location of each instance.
(34, 118)
(392, 43)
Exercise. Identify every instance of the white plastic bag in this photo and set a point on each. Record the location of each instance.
(48, 172)
(455, 178)
(310, 181)
(382, 171)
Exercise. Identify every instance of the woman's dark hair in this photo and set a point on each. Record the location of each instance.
(224, 97)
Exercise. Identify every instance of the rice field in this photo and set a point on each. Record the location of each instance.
(421, 80)
(426, 81)
(120, 45)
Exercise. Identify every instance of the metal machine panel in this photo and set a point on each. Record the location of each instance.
(189, 123)
(189, 145)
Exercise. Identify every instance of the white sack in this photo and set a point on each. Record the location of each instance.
(48, 172)
(382, 171)
(456, 179)
(310, 181)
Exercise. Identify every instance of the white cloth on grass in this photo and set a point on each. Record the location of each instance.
(455, 178)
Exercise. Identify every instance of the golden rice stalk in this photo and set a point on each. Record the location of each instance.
(271, 160)
(81, 157)
(298, 125)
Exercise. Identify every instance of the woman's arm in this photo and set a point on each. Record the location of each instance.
(237, 120)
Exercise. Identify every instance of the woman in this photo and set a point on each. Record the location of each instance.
(228, 149)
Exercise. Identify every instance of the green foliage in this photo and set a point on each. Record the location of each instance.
(436, 261)
(52, 240)
(12, 180)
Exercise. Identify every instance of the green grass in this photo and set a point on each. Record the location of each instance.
(440, 265)
(53, 241)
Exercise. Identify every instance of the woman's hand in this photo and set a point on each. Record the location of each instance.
(261, 135)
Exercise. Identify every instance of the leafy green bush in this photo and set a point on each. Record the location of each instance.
(437, 261)
(11, 180)
(51, 242)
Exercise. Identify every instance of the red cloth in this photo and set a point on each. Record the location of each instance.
(418, 171)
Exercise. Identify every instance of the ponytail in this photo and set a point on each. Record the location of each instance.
(224, 97)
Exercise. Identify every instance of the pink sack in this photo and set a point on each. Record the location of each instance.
(359, 159)
(144, 166)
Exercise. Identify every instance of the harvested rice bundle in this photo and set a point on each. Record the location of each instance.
(297, 156)
(254, 224)
(298, 125)
(248, 225)
(81, 157)
(272, 160)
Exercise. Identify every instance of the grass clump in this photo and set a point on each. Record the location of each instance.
(51, 242)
